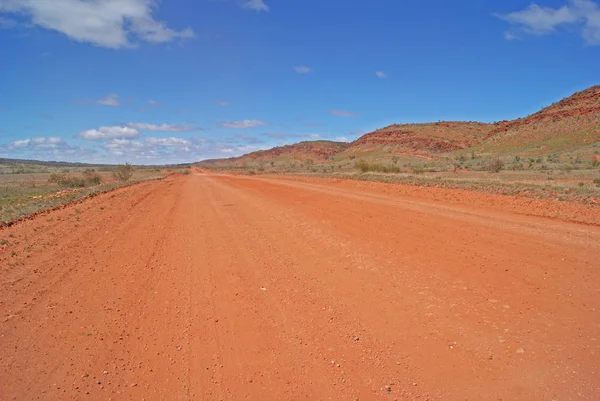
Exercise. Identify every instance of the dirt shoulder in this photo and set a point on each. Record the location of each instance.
(571, 210)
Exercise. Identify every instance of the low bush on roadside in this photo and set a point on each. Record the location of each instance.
(67, 180)
(91, 177)
(366, 167)
(495, 165)
(124, 172)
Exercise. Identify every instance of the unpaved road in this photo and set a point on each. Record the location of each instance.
(209, 287)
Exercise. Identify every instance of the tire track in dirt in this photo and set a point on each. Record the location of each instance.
(219, 287)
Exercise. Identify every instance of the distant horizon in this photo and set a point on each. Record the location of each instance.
(285, 144)
(158, 86)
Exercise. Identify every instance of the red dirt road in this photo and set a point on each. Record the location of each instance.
(209, 287)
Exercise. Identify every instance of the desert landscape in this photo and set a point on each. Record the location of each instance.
(451, 260)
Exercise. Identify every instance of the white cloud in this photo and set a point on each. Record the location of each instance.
(111, 100)
(342, 113)
(537, 20)
(243, 124)
(47, 148)
(342, 139)
(105, 23)
(258, 5)
(21, 143)
(162, 127)
(154, 103)
(123, 147)
(222, 102)
(107, 133)
(172, 141)
(302, 69)
(381, 74)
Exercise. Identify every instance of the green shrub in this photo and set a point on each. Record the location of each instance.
(365, 167)
(67, 180)
(57, 178)
(91, 177)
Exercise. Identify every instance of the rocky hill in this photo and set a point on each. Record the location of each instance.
(570, 125)
(421, 139)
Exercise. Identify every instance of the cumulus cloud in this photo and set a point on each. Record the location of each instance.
(342, 139)
(302, 69)
(243, 124)
(154, 103)
(172, 141)
(46, 148)
(381, 74)
(111, 100)
(107, 133)
(342, 113)
(221, 102)
(149, 148)
(37, 143)
(257, 5)
(162, 127)
(104, 23)
(537, 20)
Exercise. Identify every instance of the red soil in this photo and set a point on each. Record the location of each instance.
(221, 287)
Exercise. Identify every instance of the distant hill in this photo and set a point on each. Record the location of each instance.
(420, 140)
(317, 151)
(13, 162)
(59, 164)
(570, 125)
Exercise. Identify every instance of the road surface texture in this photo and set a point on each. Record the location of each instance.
(217, 287)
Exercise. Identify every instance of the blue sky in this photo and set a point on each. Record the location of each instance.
(183, 80)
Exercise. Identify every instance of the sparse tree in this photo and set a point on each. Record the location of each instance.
(124, 172)
(495, 165)
(395, 160)
(456, 165)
